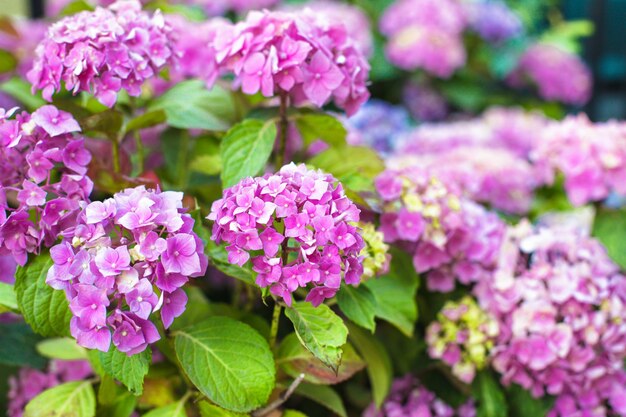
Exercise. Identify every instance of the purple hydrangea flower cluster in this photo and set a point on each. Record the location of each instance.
(28, 383)
(409, 398)
(128, 255)
(487, 159)
(8, 267)
(36, 206)
(557, 74)
(559, 300)
(426, 34)
(103, 52)
(378, 125)
(296, 227)
(450, 238)
(301, 54)
(591, 157)
(493, 20)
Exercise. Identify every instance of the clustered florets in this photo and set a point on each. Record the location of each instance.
(32, 147)
(559, 301)
(296, 54)
(296, 227)
(462, 336)
(408, 397)
(450, 238)
(103, 52)
(119, 251)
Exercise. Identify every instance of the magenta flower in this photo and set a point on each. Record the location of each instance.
(55, 122)
(129, 254)
(316, 221)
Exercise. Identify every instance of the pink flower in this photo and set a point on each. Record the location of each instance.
(55, 122)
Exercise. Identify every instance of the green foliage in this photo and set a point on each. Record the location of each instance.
(522, 404)
(379, 367)
(322, 126)
(18, 346)
(46, 310)
(294, 359)
(210, 410)
(108, 123)
(323, 395)
(129, 370)
(76, 7)
(489, 395)
(7, 61)
(189, 105)
(609, 227)
(64, 348)
(227, 361)
(8, 300)
(359, 305)
(245, 150)
(72, 399)
(19, 89)
(320, 330)
(143, 121)
(395, 293)
(176, 409)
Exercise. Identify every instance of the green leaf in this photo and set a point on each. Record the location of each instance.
(522, 404)
(228, 361)
(323, 395)
(189, 105)
(314, 126)
(19, 89)
(64, 348)
(129, 370)
(76, 7)
(347, 161)
(379, 367)
(609, 227)
(320, 330)
(148, 119)
(210, 410)
(395, 293)
(488, 393)
(124, 406)
(359, 305)
(245, 150)
(46, 310)
(8, 300)
(295, 359)
(73, 399)
(176, 409)
(7, 61)
(293, 413)
(108, 123)
(18, 346)
(207, 164)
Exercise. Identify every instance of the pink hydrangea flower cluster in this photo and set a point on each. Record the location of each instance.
(128, 255)
(486, 159)
(300, 54)
(591, 157)
(28, 383)
(35, 205)
(557, 74)
(409, 398)
(426, 34)
(450, 238)
(296, 227)
(354, 18)
(103, 52)
(559, 300)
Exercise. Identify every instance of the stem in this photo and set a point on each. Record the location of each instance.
(281, 399)
(140, 152)
(116, 156)
(274, 329)
(283, 125)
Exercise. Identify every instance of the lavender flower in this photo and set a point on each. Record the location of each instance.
(296, 225)
(129, 255)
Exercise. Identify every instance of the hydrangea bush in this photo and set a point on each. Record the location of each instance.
(278, 208)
